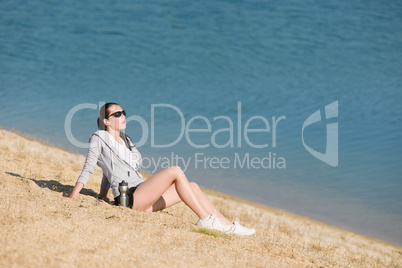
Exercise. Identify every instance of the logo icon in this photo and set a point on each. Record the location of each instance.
(330, 156)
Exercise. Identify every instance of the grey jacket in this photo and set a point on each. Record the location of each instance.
(115, 168)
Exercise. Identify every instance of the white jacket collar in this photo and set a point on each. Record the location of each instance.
(107, 139)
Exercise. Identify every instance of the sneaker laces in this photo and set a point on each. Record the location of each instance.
(236, 223)
(219, 219)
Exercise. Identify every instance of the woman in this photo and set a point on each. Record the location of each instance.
(114, 152)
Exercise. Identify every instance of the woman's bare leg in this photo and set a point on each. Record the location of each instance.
(171, 197)
(207, 203)
(154, 187)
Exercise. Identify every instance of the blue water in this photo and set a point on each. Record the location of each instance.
(268, 58)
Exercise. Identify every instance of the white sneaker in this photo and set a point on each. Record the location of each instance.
(212, 222)
(237, 228)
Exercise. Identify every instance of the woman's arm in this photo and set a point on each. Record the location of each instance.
(104, 189)
(76, 191)
(104, 197)
(94, 152)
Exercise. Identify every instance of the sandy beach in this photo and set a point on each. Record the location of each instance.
(39, 229)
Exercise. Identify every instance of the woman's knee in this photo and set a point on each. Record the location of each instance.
(176, 170)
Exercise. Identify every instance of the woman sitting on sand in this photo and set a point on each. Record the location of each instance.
(114, 152)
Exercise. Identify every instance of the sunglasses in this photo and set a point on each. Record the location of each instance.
(117, 114)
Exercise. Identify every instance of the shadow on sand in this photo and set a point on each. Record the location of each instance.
(56, 186)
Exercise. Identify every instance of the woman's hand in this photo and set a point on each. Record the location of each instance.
(109, 199)
(66, 198)
(76, 191)
(103, 195)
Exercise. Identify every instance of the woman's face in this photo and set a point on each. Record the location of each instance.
(116, 123)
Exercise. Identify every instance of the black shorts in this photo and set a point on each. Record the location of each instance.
(130, 193)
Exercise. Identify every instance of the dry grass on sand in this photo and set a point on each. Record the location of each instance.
(38, 229)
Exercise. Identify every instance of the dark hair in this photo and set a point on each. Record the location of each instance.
(103, 113)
